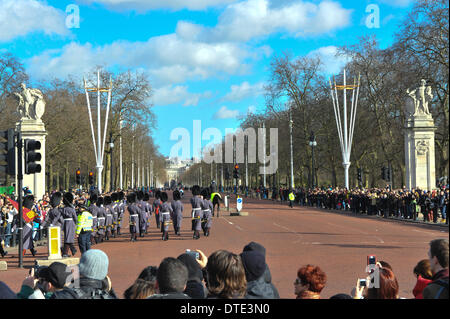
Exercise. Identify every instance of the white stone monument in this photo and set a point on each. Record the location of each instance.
(31, 107)
(419, 140)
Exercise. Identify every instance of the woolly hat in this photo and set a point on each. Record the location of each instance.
(252, 246)
(164, 197)
(254, 264)
(55, 199)
(94, 264)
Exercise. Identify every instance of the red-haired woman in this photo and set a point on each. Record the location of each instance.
(310, 282)
(423, 273)
(387, 286)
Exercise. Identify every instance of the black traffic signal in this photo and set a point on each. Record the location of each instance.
(91, 178)
(236, 171)
(388, 174)
(31, 156)
(78, 177)
(7, 154)
(359, 175)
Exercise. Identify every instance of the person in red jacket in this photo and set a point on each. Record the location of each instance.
(423, 273)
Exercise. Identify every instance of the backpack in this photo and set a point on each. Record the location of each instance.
(444, 287)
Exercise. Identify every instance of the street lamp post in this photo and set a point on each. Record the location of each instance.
(312, 143)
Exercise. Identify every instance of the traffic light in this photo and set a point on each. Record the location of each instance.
(78, 177)
(31, 156)
(7, 155)
(236, 171)
(360, 175)
(91, 178)
(388, 174)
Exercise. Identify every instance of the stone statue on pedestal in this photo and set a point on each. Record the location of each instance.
(31, 103)
(420, 97)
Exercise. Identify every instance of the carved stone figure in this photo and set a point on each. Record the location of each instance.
(422, 147)
(420, 97)
(31, 103)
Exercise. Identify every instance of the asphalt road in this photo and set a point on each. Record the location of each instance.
(338, 242)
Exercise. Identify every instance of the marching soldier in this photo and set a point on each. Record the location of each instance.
(207, 207)
(143, 216)
(165, 216)
(148, 210)
(121, 211)
(109, 216)
(177, 208)
(27, 231)
(157, 206)
(134, 212)
(54, 217)
(101, 219)
(196, 214)
(115, 213)
(93, 209)
(70, 221)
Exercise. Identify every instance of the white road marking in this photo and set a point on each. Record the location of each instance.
(238, 227)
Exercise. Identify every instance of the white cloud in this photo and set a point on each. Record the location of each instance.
(332, 62)
(177, 94)
(225, 113)
(20, 17)
(243, 91)
(250, 19)
(145, 5)
(160, 56)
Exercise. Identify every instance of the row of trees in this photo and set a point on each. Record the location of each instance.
(298, 85)
(69, 143)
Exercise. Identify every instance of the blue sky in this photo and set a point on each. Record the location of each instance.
(206, 59)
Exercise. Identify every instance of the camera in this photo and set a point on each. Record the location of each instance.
(193, 253)
(362, 282)
(371, 260)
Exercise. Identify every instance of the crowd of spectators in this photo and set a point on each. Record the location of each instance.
(224, 275)
(415, 204)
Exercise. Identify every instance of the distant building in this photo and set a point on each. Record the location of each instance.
(175, 167)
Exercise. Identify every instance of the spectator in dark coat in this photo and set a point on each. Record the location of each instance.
(171, 279)
(438, 256)
(255, 266)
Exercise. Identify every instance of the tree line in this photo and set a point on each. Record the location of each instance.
(298, 87)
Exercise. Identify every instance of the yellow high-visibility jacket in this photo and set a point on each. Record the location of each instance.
(84, 222)
(291, 196)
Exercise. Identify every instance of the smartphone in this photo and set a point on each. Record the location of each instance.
(371, 260)
(362, 282)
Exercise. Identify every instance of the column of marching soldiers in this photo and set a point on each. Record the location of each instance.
(106, 214)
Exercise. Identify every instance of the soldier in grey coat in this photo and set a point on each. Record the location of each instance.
(143, 216)
(148, 209)
(177, 216)
(70, 223)
(157, 206)
(122, 207)
(93, 209)
(134, 212)
(101, 219)
(115, 213)
(196, 214)
(207, 208)
(165, 216)
(27, 230)
(54, 217)
(109, 216)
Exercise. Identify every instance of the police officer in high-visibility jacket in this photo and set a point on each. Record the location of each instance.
(84, 228)
(291, 198)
